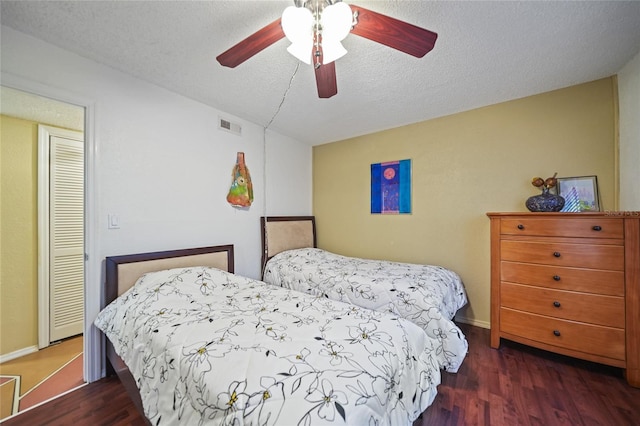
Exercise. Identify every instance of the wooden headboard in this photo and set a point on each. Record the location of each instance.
(124, 271)
(280, 233)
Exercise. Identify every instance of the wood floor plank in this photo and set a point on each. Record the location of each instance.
(526, 386)
(513, 385)
(103, 403)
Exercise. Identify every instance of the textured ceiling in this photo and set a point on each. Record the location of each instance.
(487, 52)
(27, 106)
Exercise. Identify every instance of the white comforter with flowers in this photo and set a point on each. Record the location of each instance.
(209, 347)
(424, 294)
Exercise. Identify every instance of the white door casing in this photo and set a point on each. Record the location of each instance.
(94, 360)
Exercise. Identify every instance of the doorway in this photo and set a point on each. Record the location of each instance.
(20, 337)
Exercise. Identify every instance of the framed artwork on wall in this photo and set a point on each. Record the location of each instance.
(391, 187)
(580, 193)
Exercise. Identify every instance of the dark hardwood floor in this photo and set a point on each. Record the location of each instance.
(515, 385)
(519, 385)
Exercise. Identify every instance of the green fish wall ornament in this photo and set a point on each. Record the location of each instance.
(241, 191)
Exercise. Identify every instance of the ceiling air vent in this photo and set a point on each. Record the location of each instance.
(229, 126)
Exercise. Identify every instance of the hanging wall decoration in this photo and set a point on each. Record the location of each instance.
(241, 191)
(391, 187)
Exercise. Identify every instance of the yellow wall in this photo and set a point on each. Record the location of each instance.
(463, 166)
(19, 239)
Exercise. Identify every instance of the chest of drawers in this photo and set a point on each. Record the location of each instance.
(569, 283)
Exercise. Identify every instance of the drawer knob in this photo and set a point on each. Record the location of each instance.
(520, 226)
(556, 253)
(556, 304)
(556, 277)
(556, 332)
(597, 228)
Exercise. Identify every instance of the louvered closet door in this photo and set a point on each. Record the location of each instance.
(66, 262)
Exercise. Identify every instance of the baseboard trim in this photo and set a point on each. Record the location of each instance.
(18, 353)
(472, 321)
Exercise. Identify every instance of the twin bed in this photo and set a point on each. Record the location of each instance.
(196, 344)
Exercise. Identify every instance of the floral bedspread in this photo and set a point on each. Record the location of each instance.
(209, 347)
(424, 294)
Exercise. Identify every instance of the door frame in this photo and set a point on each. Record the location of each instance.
(44, 214)
(93, 359)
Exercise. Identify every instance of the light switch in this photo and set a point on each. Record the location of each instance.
(114, 221)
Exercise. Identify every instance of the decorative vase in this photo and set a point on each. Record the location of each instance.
(545, 202)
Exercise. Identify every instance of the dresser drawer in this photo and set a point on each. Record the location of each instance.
(606, 257)
(588, 338)
(564, 278)
(583, 307)
(586, 227)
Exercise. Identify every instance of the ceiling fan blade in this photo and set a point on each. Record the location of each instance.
(251, 45)
(326, 80)
(392, 32)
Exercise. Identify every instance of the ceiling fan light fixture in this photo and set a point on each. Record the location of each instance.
(332, 50)
(297, 25)
(301, 51)
(337, 20)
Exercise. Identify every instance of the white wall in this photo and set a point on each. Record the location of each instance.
(629, 89)
(160, 163)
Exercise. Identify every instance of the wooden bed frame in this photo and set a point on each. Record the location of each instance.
(280, 233)
(123, 272)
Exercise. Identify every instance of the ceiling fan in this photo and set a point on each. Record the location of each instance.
(316, 29)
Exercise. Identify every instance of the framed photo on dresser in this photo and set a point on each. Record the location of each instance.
(580, 193)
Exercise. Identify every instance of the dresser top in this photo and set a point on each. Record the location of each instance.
(607, 213)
